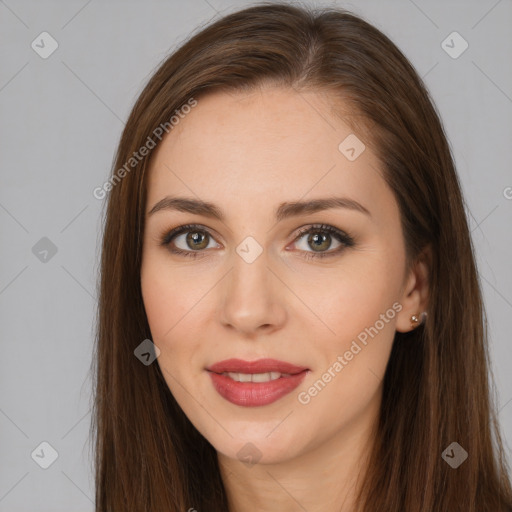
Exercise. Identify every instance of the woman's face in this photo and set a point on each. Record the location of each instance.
(269, 280)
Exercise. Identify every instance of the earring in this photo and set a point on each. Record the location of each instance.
(415, 320)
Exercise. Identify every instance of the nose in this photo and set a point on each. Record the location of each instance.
(252, 298)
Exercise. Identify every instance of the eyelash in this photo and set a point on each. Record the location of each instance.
(343, 238)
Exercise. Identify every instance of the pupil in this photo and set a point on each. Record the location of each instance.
(197, 238)
(318, 240)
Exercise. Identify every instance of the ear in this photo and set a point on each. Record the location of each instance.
(414, 299)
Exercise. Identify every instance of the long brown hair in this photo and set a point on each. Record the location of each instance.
(149, 457)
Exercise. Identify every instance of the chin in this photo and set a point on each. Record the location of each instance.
(253, 443)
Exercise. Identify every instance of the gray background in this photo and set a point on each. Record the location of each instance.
(61, 119)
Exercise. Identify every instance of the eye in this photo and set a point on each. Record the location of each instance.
(191, 239)
(320, 239)
(188, 240)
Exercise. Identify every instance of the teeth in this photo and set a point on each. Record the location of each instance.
(255, 377)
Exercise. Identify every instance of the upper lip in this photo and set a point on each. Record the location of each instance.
(258, 366)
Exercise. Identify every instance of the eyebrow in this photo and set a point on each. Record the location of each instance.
(284, 211)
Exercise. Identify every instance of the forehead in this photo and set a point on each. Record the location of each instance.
(249, 149)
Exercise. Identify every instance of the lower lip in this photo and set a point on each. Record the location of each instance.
(254, 394)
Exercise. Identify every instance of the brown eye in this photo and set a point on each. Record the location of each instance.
(196, 240)
(188, 240)
(319, 242)
(320, 239)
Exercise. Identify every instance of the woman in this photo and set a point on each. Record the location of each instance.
(290, 316)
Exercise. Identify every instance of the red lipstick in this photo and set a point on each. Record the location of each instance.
(255, 383)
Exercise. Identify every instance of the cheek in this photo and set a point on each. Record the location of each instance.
(168, 293)
(161, 308)
(167, 302)
(352, 298)
(164, 309)
(359, 306)
(351, 361)
(176, 302)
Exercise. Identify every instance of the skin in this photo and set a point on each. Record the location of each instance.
(248, 153)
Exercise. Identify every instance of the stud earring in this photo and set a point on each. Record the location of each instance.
(415, 320)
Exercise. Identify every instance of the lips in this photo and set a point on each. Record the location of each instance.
(229, 379)
(259, 366)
